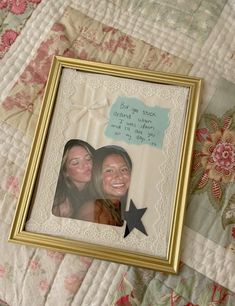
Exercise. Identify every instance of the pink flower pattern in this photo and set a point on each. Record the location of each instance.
(6, 271)
(219, 295)
(58, 27)
(3, 4)
(218, 156)
(211, 294)
(8, 37)
(2, 271)
(44, 285)
(123, 42)
(56, 256)
(21, 100)
(10, 31)
(83, 55)
(35, 75)
(108, 29)
(166, 58)
(214, 157)
(87, 261)
(57, 42)
(18, 6)
(123, 301)
(233, 232)
(72, 282)
(12, 184)
(34, 265)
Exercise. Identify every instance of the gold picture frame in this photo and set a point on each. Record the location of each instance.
(157, 115)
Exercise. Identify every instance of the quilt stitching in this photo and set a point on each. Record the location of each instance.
(11, 26)
(228, 209)
(214, 156)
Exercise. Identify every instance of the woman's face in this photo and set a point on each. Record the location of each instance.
(78, 166)
(116, 176)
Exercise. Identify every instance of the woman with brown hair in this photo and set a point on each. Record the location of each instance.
(110, 183)
(72, 188)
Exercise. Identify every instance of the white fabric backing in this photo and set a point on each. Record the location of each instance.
(82, 110)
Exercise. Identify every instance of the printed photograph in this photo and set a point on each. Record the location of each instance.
(93, 183)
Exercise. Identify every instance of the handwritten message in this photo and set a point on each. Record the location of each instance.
(132, 121)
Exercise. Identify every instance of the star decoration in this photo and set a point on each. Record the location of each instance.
(133, 219)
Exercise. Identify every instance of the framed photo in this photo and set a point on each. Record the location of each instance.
(109, 167)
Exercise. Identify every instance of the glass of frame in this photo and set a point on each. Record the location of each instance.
(108, 172)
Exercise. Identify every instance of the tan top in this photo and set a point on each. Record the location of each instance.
(98, 213)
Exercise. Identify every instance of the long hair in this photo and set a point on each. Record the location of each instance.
(97, 180)
(65, 188)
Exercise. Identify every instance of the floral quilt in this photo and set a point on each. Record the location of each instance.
(13, 16)
(186, 37)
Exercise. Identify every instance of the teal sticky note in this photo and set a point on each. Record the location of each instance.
(132, 121)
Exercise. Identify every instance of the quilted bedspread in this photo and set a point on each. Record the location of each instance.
(192, 37)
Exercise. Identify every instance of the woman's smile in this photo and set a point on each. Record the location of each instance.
(116, 176)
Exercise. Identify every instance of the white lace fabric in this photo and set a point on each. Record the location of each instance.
(82, 111)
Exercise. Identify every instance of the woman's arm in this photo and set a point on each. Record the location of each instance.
(64, 209)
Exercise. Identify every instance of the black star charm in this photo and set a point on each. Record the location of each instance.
(133, 219)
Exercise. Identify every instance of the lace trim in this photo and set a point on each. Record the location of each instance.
(81, 111)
